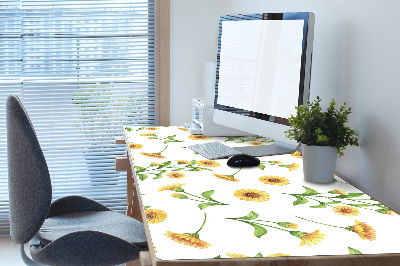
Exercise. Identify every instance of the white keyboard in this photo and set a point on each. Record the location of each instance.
(214, 150)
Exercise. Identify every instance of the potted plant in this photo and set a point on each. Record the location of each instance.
(323, 135)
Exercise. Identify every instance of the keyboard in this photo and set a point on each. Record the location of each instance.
(214, 150)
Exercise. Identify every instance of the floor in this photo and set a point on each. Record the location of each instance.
(10, 255)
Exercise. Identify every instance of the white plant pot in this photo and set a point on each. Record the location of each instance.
(319, 163)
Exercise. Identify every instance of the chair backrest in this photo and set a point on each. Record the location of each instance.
(29, 183)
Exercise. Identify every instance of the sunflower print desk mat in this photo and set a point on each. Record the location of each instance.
(201, 209)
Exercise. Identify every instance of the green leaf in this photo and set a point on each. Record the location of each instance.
(193, 162)
(320, 205)
(383, 211)
(146, 207)
(353, 251)
(300, 200)
(139, 169)
(259, 231)
(350, 195)
(333, 202)
(171, 137)
(309, 191)
(158, 176)
(166, 163)
(181, 197)
(218, 257)
(178, 189)
(207, 194)
(262, 167)
(360, 205)
(129, 129)
(252, 215)
(259, 255)
(142, 176)
(205, 205)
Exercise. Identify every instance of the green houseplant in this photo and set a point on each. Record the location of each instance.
(323, 135)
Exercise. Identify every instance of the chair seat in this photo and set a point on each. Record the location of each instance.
(108, 222)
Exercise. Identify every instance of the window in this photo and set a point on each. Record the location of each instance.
(82, 69)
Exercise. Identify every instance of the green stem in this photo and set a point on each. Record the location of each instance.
(193, 195)
(251, 221)
(163, 150)
(237, 172)
(207, 200)
(205, 218)
(320, 223)
(347, 203)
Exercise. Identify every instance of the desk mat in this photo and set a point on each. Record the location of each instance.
(201, 209)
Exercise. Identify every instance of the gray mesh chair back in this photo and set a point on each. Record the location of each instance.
(28, 176)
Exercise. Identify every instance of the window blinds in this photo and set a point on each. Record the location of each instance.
(82, 69)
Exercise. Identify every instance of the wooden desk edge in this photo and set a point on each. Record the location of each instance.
(334, 260)
(146, 226)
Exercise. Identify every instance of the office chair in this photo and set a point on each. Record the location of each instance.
(70, 231)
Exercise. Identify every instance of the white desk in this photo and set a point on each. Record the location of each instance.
(206, 213)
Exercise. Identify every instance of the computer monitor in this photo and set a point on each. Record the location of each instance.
(263, 73)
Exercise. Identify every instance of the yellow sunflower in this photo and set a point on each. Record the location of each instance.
(390, 212)
(155, 216)
(255, 143)
(297, 154)
(176, 175)
(199, 137)
(182, 128)
(226, 177)
(155, 164)
(346, 210)
(293, 166)
(275, 162)
(236, 256)
(152, 128)
(288, 225)
(251, 195)
(274, 180)
(148, 134)
(278, 255)
(182, 162)
(135, 146)
(179, 196)
(208, 163)
(339, 191)
(155, 249)
(312, 238)
(153, 155)
(187, 239)
(365, 231)
(170, 187)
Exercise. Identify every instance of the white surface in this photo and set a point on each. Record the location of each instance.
(231, 236)
(260, 65)
(356, 59)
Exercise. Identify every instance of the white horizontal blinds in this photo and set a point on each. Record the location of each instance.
(88, 68)
(10, 82)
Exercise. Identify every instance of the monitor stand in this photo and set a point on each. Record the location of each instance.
(275, 148)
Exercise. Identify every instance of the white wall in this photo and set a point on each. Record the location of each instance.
(356, 60)
(194, 41)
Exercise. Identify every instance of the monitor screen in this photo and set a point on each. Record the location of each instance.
(260, 63)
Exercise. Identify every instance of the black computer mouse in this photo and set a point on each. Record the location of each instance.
(243, 160)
